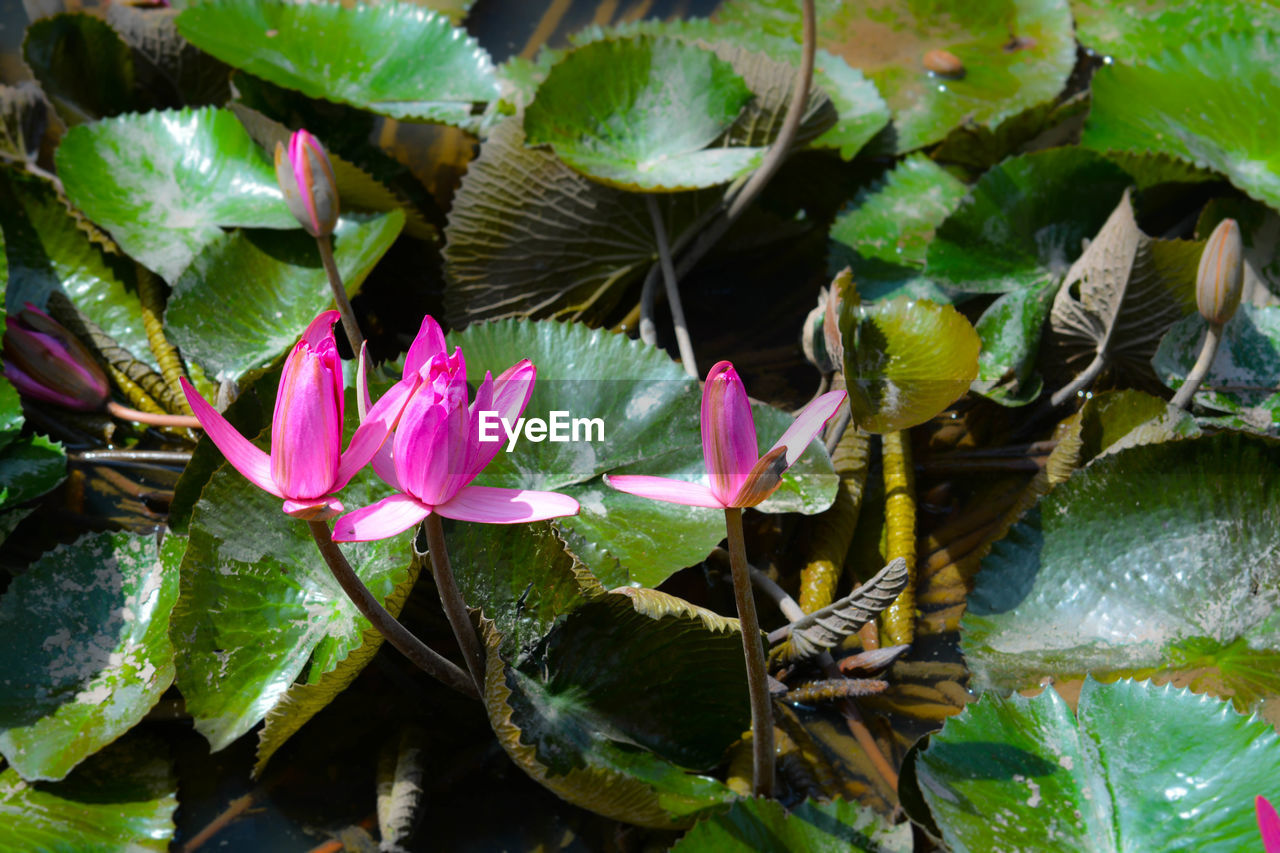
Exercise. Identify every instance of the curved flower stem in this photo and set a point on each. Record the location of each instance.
(753, 650)
(454, 607)
(673, 288)
(1208, 350)
(125, 413)
(349, 324)
(422, 655)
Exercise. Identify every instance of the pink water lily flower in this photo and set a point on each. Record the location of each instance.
(740, 476)
(436, 451)
(1268, 824)
(306, 465)
(305, 176)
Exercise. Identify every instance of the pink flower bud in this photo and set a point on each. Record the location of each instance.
(46, 362)
(306, 179)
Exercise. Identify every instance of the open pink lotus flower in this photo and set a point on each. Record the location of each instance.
(306, 465)
(436, 451)
(1268, 824)
(740, 477)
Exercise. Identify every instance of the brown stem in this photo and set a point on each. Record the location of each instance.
(349, 324)
(451, 598)
(1208, 351)
(422, 655)
(673, 288)
(757, 677)
(125, 413)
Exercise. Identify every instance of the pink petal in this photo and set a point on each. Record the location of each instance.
(320, 329)
(665, 489)
(513, 388)
(363, 401)
(506, 506)
(764, 479)
(809, 423)
(389, 516)
(418, 446)
(728, 432)
(238, 450)
(1268, 824)
(29, 387)
(306, 429)
(384, 465)
(368, 439)
(480, 453)
(428, 343)
(314, 510)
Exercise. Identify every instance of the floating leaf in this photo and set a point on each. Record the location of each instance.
(1245, 374)
(1025, 221)
(1137, 768)
(396, 59)
(1010, 332)
(1113, 420)
(121, 799)
(650, 126)
(649, 424)
(765, 826)
(604, 720)
(88, 649)
(884, 235)
(1015, 54)
(1046, 125)
(905, 360)
(1146, 553)
(162, 183)
(11, 418)
(257, 604)
(29, 467)
(1207, 102)
(1122, 295)
(822, 629)
(1132, 32)
(258, 322)
(82, 65)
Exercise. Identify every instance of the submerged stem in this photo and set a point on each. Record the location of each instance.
(1208, 351)
(454, 607)
(125, 413)
(753, 650)
(349, 324)
(423, 656)
(672, 287)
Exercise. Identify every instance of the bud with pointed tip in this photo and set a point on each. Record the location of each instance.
(1221, 276)
(45, 361)
(306, 179)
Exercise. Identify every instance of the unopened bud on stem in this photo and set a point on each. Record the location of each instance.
(306, 179)
(1221, 277)
(45, 361)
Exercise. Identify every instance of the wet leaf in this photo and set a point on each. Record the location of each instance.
(1245, 371)
(11, 418)
(905, 360)
(82, 65)
(838, 826)
(1145, 554)
(650, 425)
(1137, 767)
(1131, 32)
(1024, 221)
(88, 649)
(1010, 331)
(171, 71)
(1206, 102)
(1015, 54)
(30, 466)
(165, 183)
(650, 127)
(1046, 125)
(396, 59)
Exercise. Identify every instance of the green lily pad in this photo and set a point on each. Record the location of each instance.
(1208, 102)
(88, 649)
(123, 798)
(604, 714)
(1010, 331)
(11, 418)
(1131, 32)
(1025, 220)
(905, 360)
(1146, 555)
(82, 65)
(257, 604)
(395, 58)
(171, 72)
(640, 114)
(651, 425)
(1137, 768)
(1114, 420)
(256, 324)
(1016, 54)
(164, 182)
(48, 252)
(764, 826)
(885, 234)
(29, 467)
(1047, 125)
(1244, 374)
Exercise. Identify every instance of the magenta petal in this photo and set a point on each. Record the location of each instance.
(665, 489)
(1268, 824)
(480, 453)
(306, 429)
(368, 439)
(387, 517)
(29, 387)
(320, 329)
(314, 510)
(428, 343)
(513, 388)
(363, 401)
(506, 506)
(384, 465)
(729, 446)
(239, 451)
(808, 423)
